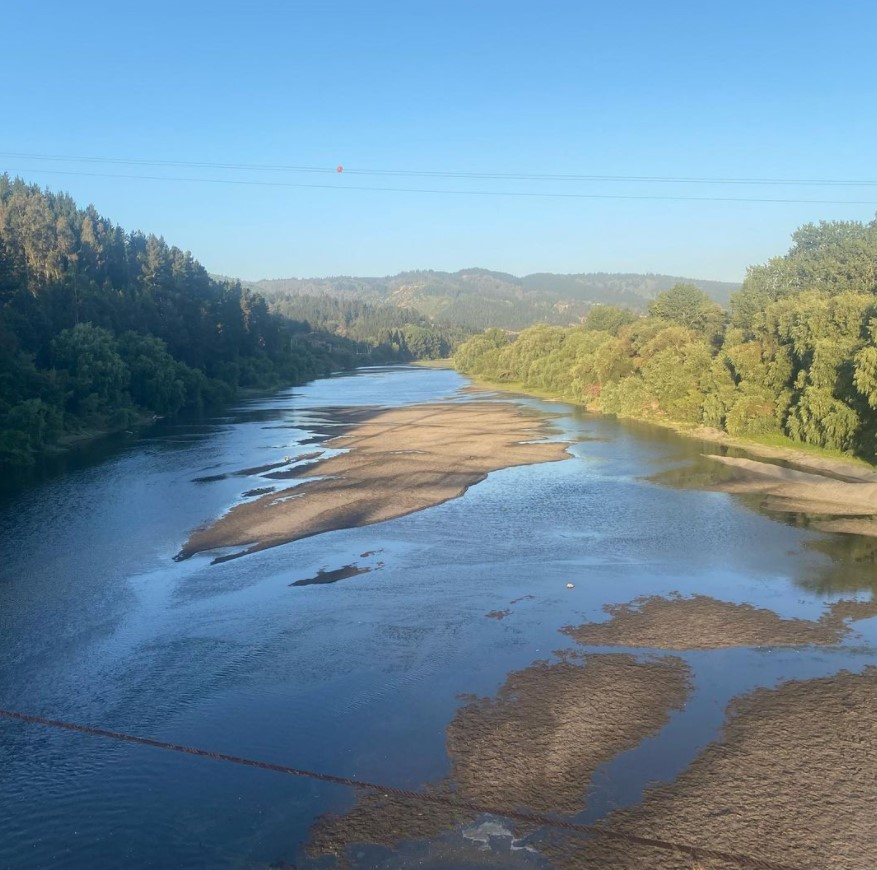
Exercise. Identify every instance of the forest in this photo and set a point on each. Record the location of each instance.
(795, 356)
(380, 330)
(101, 329)
(481, 298)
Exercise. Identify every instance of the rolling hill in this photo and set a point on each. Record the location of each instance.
(479, 298)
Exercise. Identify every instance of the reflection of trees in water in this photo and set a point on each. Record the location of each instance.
(851, 564)
(701, 474)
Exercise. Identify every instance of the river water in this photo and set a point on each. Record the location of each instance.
(359, 677)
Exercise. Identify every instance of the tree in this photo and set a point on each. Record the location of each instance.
(95, 375)
(688, 306)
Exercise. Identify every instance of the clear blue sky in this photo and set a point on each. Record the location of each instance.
(770, 89)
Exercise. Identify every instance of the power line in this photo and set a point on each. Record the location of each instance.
(539, 819)
(414, 173)
(449, 191)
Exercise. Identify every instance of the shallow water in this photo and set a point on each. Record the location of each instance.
(357, 677)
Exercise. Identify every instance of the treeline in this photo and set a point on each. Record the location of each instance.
(380, 331)
(796, 354)
(99, 327)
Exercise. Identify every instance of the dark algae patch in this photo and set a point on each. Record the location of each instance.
(262, 490)
(535, 746)
(333, 576)
(793, 780)
(522, 598)
(701, 622)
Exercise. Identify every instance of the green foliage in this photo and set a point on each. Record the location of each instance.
(799, 355)
(608, 318)
(380, 331)
(865, 377)
(818, 418)
(480, 299)
(99, 326)
(689, 307)
(752, 412)
(157, 379)
(94, 374)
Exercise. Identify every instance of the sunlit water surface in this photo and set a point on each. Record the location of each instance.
(357, 677)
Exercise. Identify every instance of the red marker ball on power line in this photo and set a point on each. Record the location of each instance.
(339, 168)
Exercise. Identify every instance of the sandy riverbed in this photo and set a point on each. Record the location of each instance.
(535, 746)
(793, 781)
(701, 622)
(399, 461)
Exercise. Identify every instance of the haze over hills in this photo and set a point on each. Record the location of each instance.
(480, 298)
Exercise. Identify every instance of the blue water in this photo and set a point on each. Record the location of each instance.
(360, 677)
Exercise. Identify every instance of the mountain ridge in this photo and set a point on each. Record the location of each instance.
(481, 298)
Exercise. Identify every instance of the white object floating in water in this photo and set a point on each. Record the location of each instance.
(570, 586)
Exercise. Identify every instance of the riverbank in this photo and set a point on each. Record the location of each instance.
(836, 491)
(397, 461)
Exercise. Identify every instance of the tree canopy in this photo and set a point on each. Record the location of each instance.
(100, 327)
(796, 355)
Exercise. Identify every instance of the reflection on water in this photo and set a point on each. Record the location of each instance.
(851, 565)
(98, 624)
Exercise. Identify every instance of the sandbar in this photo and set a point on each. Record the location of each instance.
(398, 461)
(840, 497)
(701, 622)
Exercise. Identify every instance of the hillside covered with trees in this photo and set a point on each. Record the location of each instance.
(479, 299)
(796, 354)
(382, 331)
(100, 328)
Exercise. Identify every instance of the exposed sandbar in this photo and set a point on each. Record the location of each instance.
(793, 781)
(845, 499)
(701, 622)
(846, 469)
(400, 461)
(535, 746)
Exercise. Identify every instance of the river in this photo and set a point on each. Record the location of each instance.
(359, 677)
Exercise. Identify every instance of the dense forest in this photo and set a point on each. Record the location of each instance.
(796, 355)
(479, 298)
(100, 328)
(381, 331)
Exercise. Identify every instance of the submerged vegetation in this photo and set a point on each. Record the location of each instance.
(796, 355)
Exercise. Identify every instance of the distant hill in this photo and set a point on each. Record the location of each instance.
(479, 298)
